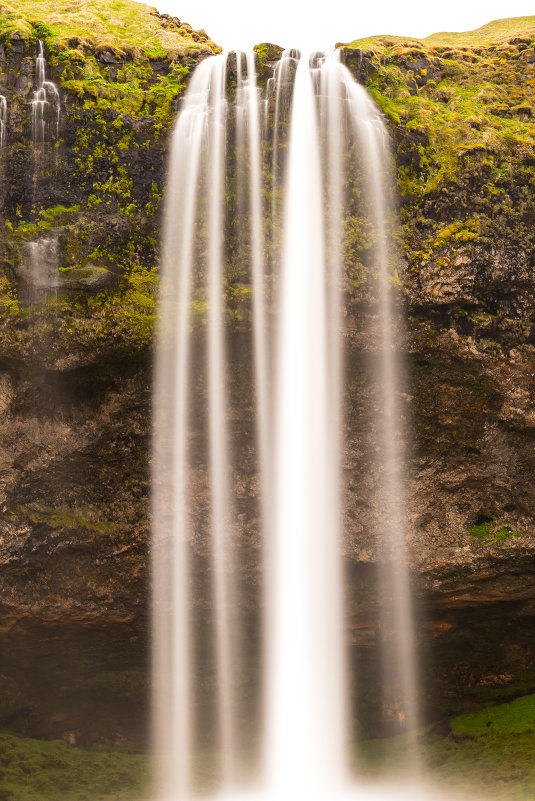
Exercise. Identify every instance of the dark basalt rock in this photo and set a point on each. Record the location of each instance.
(273, 52)
(107, 56)
(359, 62)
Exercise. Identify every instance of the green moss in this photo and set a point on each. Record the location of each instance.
(124, 317)
(458, 231)
(387, 105)
(262, 50)
(446, 237)
(9, 304)
(470, 107)
(491, 531)
(26, 228)
(35, 770)
(64, 518)
(486, 754)
(155, 198)
(58, 214)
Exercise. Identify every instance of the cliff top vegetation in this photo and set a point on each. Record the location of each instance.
(493, 33)
(119, 24)
(464, 101)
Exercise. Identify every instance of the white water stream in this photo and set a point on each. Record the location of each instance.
(3, 122)
(229, 154)
(39, 270)
(45, 106)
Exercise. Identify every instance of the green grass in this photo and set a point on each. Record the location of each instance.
(64, 518)
(36, 770)
(516, 717)
(487, 753)
(492, 33)
(472, 104)
(118, 23)
(490, 531)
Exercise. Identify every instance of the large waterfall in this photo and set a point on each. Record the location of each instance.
(272, 190)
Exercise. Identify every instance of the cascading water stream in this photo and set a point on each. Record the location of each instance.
(218, 431)
(304, 711)
(46, 106)
(3, 122)
(399, 666)
(287, 336)
(280, 85)
(402, 664)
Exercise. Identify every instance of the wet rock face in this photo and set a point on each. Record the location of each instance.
(73, 493)
(73, 552)
(81, 228)
(468, 257)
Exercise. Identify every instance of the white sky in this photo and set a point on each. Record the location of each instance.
(241, 24)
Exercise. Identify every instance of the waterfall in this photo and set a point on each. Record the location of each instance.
(247, 483)
(3, 122)
(39, 271)
(45, 106)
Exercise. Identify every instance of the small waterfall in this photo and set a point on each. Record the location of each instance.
(399, 667)
(260, 194)
(39, 102)
(46, 106)
(282, 86)
(3, 122)
(39, 270)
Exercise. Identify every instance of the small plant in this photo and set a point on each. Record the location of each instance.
(42, 31)
(491, 531)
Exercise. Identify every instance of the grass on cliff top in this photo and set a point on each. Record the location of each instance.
(37, 770)
(487, 754)
(118, 23)
(471, 103)
(495, 32)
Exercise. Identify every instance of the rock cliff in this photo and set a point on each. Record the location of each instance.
(460, 108)
(75, 352)
(80, 217)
